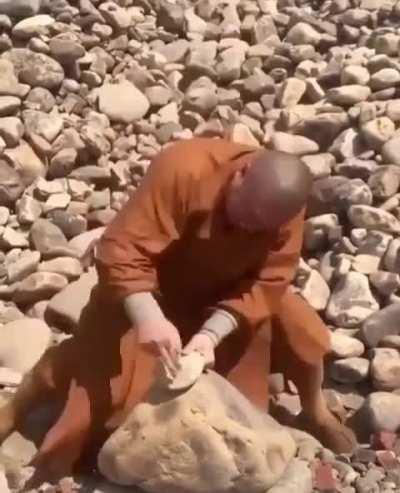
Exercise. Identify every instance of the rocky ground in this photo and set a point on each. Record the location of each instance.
(89, 93)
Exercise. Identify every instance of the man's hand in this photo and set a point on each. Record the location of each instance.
(205, 345)
(161, 338)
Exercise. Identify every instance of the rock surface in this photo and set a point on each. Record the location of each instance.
(229, 434)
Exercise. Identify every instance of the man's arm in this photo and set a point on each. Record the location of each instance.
(255, 300)
(126, 253)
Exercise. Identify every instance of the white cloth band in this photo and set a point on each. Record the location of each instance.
(219, 325)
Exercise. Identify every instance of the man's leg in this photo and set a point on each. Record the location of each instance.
(300, 341)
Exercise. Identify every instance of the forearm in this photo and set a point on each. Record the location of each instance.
(142, 307)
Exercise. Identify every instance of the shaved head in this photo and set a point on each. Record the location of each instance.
(270, 189)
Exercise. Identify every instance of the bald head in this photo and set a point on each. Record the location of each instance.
(269, 190)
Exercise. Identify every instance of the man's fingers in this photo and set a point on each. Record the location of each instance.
(168, 361)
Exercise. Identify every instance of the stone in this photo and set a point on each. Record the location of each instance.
(201, 96)
(376, 132)
(9, 105)
(390, 152)
(11, 130)
(262, 442)
(350, 370)
(32, 26)
(46, 125)
(385, 182)
(381, 412)
(56, 201)
(303, 34)
(386, 283)
(385, 369)
(348, 95)
(241, 134)
(291, 92)
(319, 165)
(40, 99)
(351, 301)
(387, 77)
(343, 346)
(49, 240)
(81, 242)
(72, 224)
(335, 194)
(365, 216)
(22, 343)
(296, 479)
(293, 144)
(366, 264)
(66, 49)
(392, 257)
(315, 290)
(39, 286)
(24, 265)
(11, 185)
(354, 75)
(380, 325)
(10, 238)
(122, 102)
(20, 8)
(35, 69)
(347, 144)
(26, 162)
(69, 267)
(28, 210)
(63, 163)
(65, 308)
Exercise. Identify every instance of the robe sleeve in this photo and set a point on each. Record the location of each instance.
(258, 297)
(126, 255)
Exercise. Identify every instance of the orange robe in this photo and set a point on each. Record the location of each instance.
(172, 238)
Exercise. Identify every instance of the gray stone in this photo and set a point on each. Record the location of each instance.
(10, 238)
(32, 26)
(122, 102)
(49, 240)
(11, 130)
(385, 369)
(11, 186)
(376, 132)
(364, 216)
(350, 370)
(40, 99)
(385, 182)
(39, 286)
(344, 346)
(349, 95)
(69, 267)
(354, 74)
(303, 34)
(35, 69)
(20, 8)
(390, 151)
(46, 125)
(28, 210)
(26, 264)
(315, 290)
(382, 412)
(386, 283)
(81, 242)
(26, 162)
(65, 308)
(22, 343)
(293, 144)
(291, 92)
(9, 105)
(351, 301)
(380, 325)
(392, 257)
(387, 77)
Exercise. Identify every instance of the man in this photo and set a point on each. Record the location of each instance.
(200, 258)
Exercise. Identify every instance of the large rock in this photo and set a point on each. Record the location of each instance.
(49, 240)
(22, 342)
(365, 216)
(385, 369)
(123, 102)
(381, 324)
(207, 439)
(39, 286)
(65, 308)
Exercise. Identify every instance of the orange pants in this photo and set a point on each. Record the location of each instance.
(101, 373)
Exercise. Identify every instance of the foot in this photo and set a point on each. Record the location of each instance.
(332, 434)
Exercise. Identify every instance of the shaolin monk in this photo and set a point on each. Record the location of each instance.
(200, 259)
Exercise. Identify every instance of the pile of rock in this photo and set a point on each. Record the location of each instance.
(90, 91)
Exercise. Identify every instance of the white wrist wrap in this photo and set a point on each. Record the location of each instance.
(219, 325)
